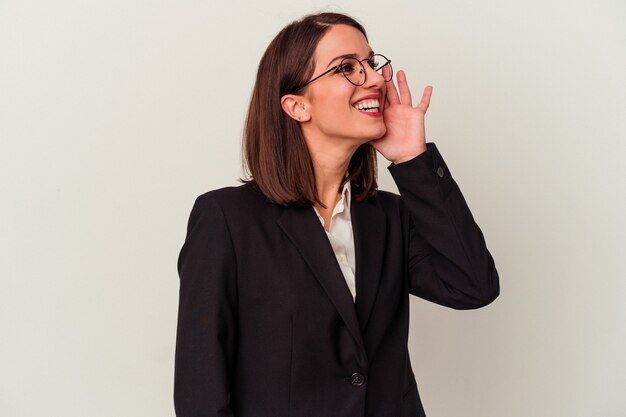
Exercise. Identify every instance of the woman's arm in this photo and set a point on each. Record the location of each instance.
(449, 263)
(206, 335)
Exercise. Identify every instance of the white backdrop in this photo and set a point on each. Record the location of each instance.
(115, 115)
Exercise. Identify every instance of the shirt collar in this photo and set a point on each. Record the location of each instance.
(344, 201)
(347, 194)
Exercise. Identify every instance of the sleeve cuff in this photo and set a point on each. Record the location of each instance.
(427, 167)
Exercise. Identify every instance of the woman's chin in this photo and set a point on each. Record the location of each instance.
(379, 133)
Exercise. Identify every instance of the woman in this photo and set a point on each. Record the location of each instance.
(294, 286)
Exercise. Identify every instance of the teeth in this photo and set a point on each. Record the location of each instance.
(367, 104)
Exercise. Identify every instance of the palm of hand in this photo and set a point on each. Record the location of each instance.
(405, 137)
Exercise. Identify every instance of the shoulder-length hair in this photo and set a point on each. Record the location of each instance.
(276, 157)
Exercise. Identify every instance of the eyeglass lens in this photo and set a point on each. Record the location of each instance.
(354, 70)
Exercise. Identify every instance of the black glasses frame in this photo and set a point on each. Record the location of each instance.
(340, 67)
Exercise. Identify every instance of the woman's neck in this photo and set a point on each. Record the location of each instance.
(330, 170)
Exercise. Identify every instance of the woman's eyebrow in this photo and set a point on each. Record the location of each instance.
(352, 55)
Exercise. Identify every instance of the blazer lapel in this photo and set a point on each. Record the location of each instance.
(305, 231)
(369, 228)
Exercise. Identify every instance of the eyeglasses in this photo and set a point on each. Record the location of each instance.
(354, 71)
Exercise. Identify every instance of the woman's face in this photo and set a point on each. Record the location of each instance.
(332, 98)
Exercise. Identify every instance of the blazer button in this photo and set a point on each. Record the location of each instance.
(357, 379)
(440, 172)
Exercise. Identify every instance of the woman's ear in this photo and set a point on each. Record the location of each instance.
(295, 106)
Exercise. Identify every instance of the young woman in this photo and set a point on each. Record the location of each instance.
(294, 286)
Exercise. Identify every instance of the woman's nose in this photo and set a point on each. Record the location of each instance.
(372, 77)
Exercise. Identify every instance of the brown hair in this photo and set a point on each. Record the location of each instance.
(276, 157)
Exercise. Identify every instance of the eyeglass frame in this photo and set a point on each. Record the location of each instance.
(344, 74)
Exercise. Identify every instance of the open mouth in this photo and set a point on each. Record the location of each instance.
(368, 106)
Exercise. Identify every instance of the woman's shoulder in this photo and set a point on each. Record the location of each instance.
(242, 200)
(246, 193)
(387, 199)
(225, 194)
(387, 195)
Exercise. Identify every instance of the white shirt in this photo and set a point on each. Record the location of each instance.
(341, 237)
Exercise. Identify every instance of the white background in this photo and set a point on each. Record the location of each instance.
(115, 115)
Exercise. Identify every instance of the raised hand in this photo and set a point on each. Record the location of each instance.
(405, 137)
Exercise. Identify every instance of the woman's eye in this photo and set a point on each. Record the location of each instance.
(346, 68)
(374, 64)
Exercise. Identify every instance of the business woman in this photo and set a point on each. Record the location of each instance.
(294, 286)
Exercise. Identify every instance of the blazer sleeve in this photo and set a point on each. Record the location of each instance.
(448, 261)
(207, 316)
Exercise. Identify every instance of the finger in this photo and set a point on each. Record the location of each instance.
(386, 72)
(405, 93)
(392, 93)
(425, 102)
